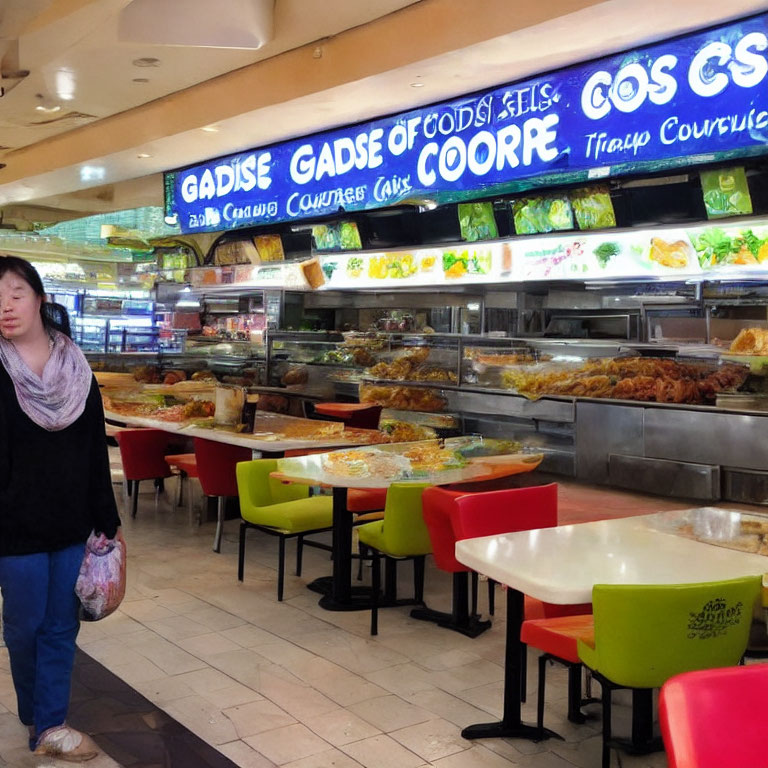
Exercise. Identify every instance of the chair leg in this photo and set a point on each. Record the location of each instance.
(280, 567)
(606, 761)
(418, 578)
(540, 702)
(363, 552)
(222, 501)
(523, 672)
(475, 582)
(390, 578)
(575, 714)
(299, 554)
(375, 588)
(135, 489)
(241, 552)
(491, 596)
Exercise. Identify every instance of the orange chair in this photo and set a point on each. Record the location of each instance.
(142, 452)
(186, 465)
(216, 471)
(557, 637)
(716, 718)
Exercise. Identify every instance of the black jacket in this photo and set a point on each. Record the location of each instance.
(55, 487)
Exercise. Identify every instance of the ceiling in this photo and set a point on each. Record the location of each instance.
(117, 125)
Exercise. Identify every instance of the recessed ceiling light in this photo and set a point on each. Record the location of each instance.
(210, 128)
(146, 61)
(140, 80)
(143, 155)
(417, 85)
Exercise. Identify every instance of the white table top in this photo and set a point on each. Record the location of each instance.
(253, 442)
(562, 564)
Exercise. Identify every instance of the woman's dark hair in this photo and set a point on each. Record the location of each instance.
(54, 316)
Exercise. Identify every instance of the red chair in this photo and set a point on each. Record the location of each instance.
(142, 452)
(520, 509)
(716, 718)
(439, 505)
(186, 465)
(216, 471)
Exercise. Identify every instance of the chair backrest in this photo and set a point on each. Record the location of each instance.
(257, 489)
(216, 466)
(365, 418)
(716, 718)
(438, 507)
(142, 452)
(644, 634)
(505, 511)
(404, 532)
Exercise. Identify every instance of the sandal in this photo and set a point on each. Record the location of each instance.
(66, 743)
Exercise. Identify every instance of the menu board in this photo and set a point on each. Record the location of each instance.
(693, 100)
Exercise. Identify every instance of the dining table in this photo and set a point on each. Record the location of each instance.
(343, 470)
(561, 565)
(265, 441)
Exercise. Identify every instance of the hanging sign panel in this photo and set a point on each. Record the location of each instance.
(691, 100)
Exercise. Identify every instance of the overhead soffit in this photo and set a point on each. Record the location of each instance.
(469, 46)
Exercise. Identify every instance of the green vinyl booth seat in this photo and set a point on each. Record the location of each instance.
(645, 634)
(285, 510)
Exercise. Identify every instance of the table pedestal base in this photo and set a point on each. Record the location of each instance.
(472, 627)
(503, 730)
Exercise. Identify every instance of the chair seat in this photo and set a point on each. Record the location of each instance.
(559, 636)
(372, 535)
(536, 609)
(292, 516)
(366, 499)
(184, 462)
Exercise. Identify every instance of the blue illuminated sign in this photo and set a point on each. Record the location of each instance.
(687, 101)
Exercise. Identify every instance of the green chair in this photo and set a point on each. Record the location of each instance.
(645, 634)
(401, 534)
(285, 510)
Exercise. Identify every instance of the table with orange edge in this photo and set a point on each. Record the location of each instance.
(337, 591)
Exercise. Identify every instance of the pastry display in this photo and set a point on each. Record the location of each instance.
(750, 341)
(405, 432)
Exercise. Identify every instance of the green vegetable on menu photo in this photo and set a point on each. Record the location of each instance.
(726, 192)
(605, 252)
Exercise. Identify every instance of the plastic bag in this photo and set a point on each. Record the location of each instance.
(100, 586)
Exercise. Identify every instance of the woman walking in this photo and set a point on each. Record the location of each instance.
(55, 488)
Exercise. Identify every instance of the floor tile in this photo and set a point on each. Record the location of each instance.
(432, 740)
(382, 752)
(390, 713)
(287, 744)
(257, 716)
(341, 727)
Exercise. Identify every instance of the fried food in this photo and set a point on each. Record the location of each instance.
(674, 255)
(174, 377)
(751, 341)
(402, 398)
(147, 374)
(648, 379)
(411, 367)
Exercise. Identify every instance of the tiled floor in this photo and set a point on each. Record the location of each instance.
(289, 684)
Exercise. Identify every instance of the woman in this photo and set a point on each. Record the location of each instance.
(55, 488)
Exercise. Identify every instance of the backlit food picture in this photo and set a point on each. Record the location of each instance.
(392, 265)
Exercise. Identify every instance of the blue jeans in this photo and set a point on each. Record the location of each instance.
(40, 624)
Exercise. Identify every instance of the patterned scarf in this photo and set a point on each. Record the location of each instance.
(57, 399)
